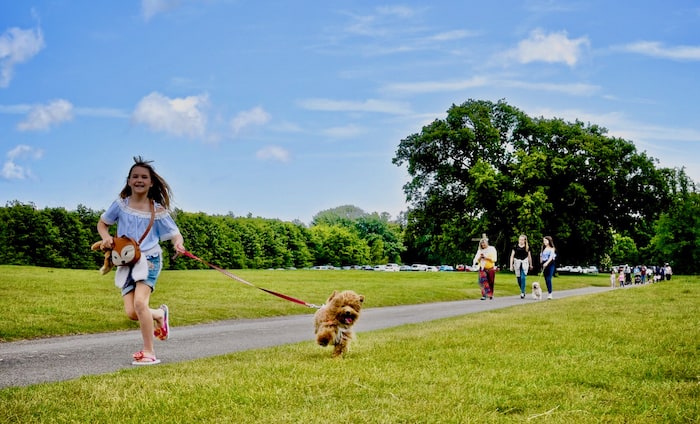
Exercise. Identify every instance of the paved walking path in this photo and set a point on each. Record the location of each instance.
(63, 358)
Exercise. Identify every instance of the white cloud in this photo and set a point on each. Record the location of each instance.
(255, 116)
(436, 86)
(451, 35)
(555, 47)
(656, 49)
(371, 105)
(11, 170)
(396, 11)
(19, 109)
(42, 117)
(17, 46)
(576, 89)
(274, 153)
(178, 116)
(150, 8)
(347, 131)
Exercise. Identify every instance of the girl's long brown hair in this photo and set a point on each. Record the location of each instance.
(551, 243)
(160, 191)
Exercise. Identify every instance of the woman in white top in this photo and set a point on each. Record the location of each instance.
(486, 258)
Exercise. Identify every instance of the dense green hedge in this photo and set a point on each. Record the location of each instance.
(56, 237)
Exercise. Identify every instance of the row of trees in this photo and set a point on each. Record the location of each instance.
(489, 168)
(486, 168)
(56, 237)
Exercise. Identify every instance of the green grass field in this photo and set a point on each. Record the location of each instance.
(626, 356)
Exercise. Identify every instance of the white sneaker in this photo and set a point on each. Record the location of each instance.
(549, 296)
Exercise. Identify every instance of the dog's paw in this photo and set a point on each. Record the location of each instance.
(323, 339)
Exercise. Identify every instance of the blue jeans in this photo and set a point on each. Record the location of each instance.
(521, 279)
(548, 273)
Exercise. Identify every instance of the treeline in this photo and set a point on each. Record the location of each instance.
(59, 238)
(486, 168)
(490, 168)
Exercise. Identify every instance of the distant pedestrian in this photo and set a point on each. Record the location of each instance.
(142, 211)
(621, 277)
(548, 255)
(668, 272)
(486, 258)
(613, 277)
(521, 262)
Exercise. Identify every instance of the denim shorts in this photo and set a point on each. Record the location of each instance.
(155, 264)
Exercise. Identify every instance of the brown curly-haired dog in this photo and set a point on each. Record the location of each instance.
(335, 319)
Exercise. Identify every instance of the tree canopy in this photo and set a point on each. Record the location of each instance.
(486, 168)
(489, 168)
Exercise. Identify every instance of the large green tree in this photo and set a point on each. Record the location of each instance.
(676, 236)
(489, 168)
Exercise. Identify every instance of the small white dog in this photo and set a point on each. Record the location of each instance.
(536, 291)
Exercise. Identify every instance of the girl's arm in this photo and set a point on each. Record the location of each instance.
(551, 258)
(103, 230)
(512, 255)
(178, 243)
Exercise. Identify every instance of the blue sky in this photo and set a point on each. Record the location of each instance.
(282, 109)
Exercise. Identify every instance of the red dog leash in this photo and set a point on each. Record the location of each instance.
(239, 279)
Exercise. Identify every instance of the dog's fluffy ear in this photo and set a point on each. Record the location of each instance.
(335, 292)
(362, 298)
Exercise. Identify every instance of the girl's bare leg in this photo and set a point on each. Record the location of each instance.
(145, 315)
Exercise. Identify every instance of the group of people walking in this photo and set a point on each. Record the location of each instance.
(520, 262)
(640, 274)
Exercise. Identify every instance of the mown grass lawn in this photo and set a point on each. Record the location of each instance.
(625, 356)
(41, 302)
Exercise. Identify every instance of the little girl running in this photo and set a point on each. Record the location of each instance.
(145, 191)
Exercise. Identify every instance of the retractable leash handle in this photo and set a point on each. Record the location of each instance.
(240, 280)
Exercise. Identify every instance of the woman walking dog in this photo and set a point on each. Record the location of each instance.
(521, 262)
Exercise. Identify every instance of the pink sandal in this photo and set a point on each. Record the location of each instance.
(140, 358)
(163, 332)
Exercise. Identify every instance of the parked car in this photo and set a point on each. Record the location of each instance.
(447, 268)
(379, 268)
(418, 267)
(431, 268)
(405, 268)
(590, 270)
(391, 267)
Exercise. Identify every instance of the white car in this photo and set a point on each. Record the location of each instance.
(391, 267)
(419, 267)
(590, 270)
